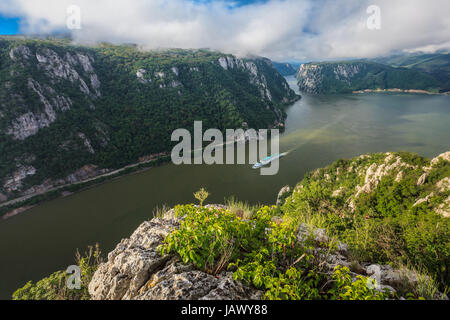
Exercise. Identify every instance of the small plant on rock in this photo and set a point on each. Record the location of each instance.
(201, 195)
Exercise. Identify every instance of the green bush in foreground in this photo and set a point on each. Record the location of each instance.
(262, 253)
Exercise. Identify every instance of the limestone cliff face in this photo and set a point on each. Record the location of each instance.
(313, 78)
(54, 70)
(136, 270)
(366, 174)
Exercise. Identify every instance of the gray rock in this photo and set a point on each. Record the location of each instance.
(443, 156)
(387, 276)
(136, 270)
(14, 182)
(3, 198)
(182, 282)
(422, 179)
(342, 249)
(20, 52)
(284, 192)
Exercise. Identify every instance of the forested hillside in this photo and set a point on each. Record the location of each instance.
(348, 76)
(286, 69)
(64, 106)
(436, 64)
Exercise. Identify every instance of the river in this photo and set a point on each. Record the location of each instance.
(319, 130)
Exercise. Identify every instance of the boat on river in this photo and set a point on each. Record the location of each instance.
(267, 160)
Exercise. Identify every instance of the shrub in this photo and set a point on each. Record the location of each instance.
(262, 253)
(206, 235)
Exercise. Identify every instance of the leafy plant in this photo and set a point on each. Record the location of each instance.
(261, 252)
(363, 288)
(209, 238)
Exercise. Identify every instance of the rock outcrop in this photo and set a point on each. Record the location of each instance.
(311, 76)
(284, 192)
(442, 157)
(136, 270)
(15, 181)
(375, 172)
(56, 69)
(390, 166)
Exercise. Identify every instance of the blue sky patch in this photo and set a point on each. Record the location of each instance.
(9, 25)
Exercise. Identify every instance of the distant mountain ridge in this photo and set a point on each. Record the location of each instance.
(286, 69)
(436, 64)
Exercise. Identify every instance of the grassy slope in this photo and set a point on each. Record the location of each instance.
(386, 225)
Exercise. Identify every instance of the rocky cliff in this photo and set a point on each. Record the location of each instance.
(63, 107)
(345, 77)
(136, 270)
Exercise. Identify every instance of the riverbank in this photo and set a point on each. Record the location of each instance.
(396, 90)
(19, 205)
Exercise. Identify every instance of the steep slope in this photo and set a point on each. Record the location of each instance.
(436, 64)
(349, 76)
(63, 107)
(388, 207)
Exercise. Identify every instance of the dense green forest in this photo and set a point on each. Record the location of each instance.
(63, 106)
(436, 64)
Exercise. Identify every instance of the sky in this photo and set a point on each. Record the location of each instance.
(9, 25)
(283, 30)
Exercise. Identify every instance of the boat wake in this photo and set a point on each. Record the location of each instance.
(269, 159)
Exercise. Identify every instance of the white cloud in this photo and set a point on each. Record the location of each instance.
(279, 29)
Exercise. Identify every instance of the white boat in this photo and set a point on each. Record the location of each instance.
(268, 160)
